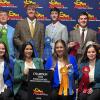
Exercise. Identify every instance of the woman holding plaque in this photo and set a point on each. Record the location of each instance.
(6, 74)
(89, 77)
(21, 69)
(65, 72)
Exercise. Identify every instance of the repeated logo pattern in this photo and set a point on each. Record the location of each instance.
(68, 15)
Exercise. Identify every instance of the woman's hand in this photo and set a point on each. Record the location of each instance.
(69, 66)
(90, 91)
(52, 69)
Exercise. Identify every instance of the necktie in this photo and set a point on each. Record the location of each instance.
(32, 28)
(4, 36)
(82, 36)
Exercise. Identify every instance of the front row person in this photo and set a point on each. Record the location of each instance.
(65, 72)
(89, 77)
(21, 69)
(6, 74)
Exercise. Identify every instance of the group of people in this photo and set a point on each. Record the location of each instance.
(74, 61)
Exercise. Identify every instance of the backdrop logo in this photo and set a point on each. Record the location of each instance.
(37, 91)
(54, 3)
(65, 17)
(40, 16)
(14, 16)
(26, 2)
(81, 5)
(92, 17)
(6, 3)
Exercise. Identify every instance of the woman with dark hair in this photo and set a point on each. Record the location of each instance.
(21, 69)
(65, 72)
(6, 73)
(89, 77)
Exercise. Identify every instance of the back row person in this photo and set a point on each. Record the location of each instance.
(30, 28)
(56, 30)
(81, 35)
(6, 33)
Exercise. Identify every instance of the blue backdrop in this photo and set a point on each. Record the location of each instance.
(69, 11)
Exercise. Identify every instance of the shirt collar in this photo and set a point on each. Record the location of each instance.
(80, 28)
(31, 21)
(3, 26)
(56, 24)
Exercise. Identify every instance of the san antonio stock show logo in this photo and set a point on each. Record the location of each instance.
(6, 3)
(37, 91)
(81, 5)
(31, 2)
(14, 16)
(54, 3)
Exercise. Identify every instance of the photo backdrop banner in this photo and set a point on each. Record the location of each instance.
(68, 15)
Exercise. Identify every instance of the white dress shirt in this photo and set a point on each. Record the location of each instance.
(29, 22)
(2, 85)
(28, 66)
(85, 32)
(3, 26)
(55, 32)
(91, 73)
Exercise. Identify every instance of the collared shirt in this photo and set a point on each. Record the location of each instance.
(30, 22)
(28, 66)
(3, 26)
(2, 85)
(91, 73)
(85, 32)
(55, 32)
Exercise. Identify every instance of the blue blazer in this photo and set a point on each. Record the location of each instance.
(8, 74)
(10, 35)
(73, 76)
(96, 73)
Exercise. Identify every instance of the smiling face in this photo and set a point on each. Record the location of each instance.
(28, 51)
(59, 49)
(3, 17)
(31, 12)
(83, 19)
(91, 53)
(2, 50)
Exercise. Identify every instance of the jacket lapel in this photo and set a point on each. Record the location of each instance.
(36, 27)
(27, 27)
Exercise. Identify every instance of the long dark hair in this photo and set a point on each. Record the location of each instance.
(21, 56)
(7, 60)
(85, 58)
(6, 55)
(55, 56)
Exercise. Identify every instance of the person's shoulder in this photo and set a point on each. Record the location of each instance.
(9, 26)
(62, 25)
(98, 61)
(37, 60)
(39, 23)
(49, 25)
(71, 57)
(19, 61)
(91, 30)
(74, 31)
(20, 22)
